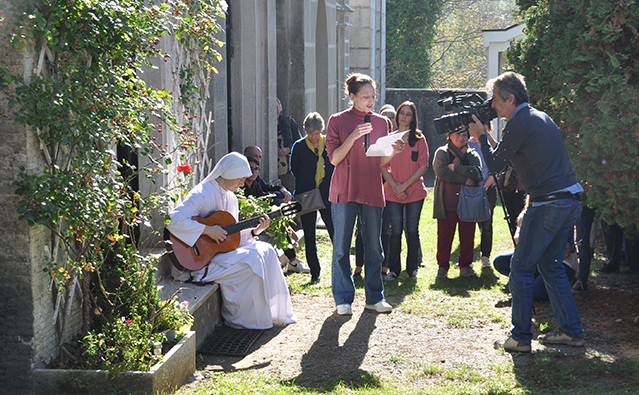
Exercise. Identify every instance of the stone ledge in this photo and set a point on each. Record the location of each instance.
(205, 302)
(164, 377)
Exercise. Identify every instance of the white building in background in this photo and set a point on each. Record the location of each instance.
(496, 41)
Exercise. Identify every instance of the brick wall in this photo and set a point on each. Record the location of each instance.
(16, 309)
(27, 331)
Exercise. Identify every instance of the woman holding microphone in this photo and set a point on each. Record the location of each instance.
(356, 191)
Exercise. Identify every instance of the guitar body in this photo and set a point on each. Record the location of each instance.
(185, 257)
(196, 257)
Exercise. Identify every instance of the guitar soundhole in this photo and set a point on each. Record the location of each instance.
(196, 250)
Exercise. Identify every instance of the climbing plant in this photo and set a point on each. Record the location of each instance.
(102, 127)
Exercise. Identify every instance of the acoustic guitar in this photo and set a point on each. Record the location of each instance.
(200, 254)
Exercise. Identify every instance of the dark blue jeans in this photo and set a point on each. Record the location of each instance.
(309, 222)
(397, 214)
(502, 265)
(344, 217)
(583, 242)
(542, 246)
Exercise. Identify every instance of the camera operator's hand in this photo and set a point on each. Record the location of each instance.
(477, 128)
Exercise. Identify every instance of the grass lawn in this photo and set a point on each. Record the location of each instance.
(463, 303)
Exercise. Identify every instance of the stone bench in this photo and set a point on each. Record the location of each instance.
(204, 301)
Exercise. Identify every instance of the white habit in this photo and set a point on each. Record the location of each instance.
(254, 291)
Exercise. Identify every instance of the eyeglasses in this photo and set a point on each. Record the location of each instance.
(255, 169)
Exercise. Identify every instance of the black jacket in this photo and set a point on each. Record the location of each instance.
(303, 167)
(288, 129)
(261, 188)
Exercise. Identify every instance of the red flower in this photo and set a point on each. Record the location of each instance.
(129, 322)
(185, 168)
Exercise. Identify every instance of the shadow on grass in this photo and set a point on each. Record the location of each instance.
(352, 382)
(460, 286)
(565, 369)
(327, 348)
(396, 291)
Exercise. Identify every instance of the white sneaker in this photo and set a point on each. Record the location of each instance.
(344, 309)
(297, 266)
(380, 307)
(390, 277)
(485, 262)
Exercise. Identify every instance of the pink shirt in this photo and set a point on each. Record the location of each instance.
(403, 166)
(357, 178)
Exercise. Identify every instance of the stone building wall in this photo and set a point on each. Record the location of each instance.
(367, 43)
(27, 331)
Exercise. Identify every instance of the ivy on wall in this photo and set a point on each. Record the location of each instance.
(86, 100)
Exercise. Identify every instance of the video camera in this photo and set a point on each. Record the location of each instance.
(469, 104)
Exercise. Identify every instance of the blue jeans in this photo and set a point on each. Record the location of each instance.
(397, 213)
(344, 217)
(502, 265)
(542, 245)
(583, 242)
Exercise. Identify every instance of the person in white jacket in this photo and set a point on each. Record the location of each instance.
(253, 289)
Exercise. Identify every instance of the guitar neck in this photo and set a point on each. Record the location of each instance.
(249, 223)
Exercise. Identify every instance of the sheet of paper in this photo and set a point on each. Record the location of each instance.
(384, 145)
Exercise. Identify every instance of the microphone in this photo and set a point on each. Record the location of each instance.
(367, 137)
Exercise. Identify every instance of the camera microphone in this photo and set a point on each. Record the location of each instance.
(367, 137)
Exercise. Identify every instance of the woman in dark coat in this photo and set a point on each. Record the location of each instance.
(312, 169)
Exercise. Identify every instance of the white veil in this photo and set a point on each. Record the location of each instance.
(232, 165)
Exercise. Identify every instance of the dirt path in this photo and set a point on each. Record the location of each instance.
(323, 345)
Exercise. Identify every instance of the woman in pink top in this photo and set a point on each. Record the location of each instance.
(356, 191)
(405, 192)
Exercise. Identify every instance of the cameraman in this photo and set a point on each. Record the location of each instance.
(535, 146)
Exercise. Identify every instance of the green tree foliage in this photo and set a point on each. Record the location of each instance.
(410, 34)
(458, 55)
(580, 60)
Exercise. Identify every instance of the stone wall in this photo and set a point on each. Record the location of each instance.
(28, 337)
(27, 332)
(367, 44)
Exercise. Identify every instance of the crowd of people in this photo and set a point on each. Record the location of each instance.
(380, 198)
